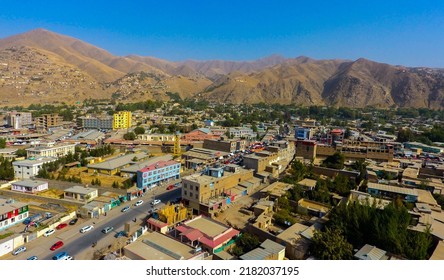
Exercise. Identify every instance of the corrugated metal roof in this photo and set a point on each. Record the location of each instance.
(369, 252)
(393, 189)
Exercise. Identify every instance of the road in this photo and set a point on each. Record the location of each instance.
(79, 244)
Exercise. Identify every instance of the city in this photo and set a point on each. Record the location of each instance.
(193, 180)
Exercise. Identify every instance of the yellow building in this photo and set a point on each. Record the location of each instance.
(122, 120)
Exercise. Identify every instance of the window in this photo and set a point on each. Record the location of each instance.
(184, 192)
(197, 188)
(191, 194)
(197, 197)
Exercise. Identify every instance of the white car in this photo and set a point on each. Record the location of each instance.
(86, 228)
(155, 202)
(19, 250)
(48, 232)
(138, 203)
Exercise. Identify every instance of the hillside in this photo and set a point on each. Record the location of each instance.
(41, 66)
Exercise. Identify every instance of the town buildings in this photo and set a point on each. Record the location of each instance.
(25, 169)
(29, 186)
(156, 173)
(51, 150)
(12, 212)
(122, 120)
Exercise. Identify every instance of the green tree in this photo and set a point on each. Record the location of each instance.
(2, 143)
(331, 245)
(335, 161)
(129, 136)
(245, 243)
(139, 130)
(21, 153)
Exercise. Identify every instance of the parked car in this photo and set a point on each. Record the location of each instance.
(48, 232)
(155, 202)
(107, 229)
(60, 226)
(124, 209)
(19, 250)
(56, 245)
(139, 202)
(33, 258)
(73, 221)
(170, 187)
(121, 233)
(68, 258)
(86, 228)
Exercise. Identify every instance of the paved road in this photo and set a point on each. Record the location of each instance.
(79, 244)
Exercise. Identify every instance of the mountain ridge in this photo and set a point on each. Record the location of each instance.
(274, 79)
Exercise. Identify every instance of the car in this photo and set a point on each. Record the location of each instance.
(86, 228)
(68, 258)
(56, 245)
(19, 250)
(48, 232)
(155, 202)
(107, 229)
(124, 209)
(139, 202)
(73, 221)
(120, 234)
(33, 258)
(170, 187)
(60, 256)
(60, 226)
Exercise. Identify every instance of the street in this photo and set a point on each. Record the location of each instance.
(79, 245)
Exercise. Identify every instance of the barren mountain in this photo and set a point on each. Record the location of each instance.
(43, 66)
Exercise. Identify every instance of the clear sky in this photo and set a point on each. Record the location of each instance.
(405, 32)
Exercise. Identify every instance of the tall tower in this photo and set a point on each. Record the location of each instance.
(177, 151)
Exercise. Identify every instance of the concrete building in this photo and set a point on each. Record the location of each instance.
(242, 132)
(386, 191)
(213, 189)
(90, 122)
(115, 165)
(156, 173)
(25, 169)
(199, 157)
(228, 146)
(200, 134)
(18, 120)
(11, 213)
(29, 186)
(122, 120)
(51, 150)
(157, 246)
(302, 133)
(80, 193)
(48, 121)
(90, 137)
(268, 250)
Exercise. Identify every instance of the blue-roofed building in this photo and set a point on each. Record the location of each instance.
(302, 133)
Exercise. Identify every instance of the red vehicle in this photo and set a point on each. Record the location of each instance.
(61, 226)
(56, 245)
(170, 187)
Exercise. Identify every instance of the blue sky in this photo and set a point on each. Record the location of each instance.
(409, 33)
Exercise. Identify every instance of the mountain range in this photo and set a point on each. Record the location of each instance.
(41, 66)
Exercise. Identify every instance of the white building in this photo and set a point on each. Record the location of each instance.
(50, 150)
(29, 186)
(25, 169)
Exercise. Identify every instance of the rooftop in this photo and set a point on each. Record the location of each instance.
(156, 246)
(30, 162)
(139, 165)
(393, 189)
(8, 205)
(369, 252)
(29, 183)
(118, 161)
(80, 190)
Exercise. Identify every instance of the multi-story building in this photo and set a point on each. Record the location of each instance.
(18, 119)
(302, 133)
(156, 137)
(122, 120)
(47, 121)
(51, 150)
(242, 132)
(11, 212)
(25, 169)
(228, 146)
(213, 189)
(90, 122)
(156, 173)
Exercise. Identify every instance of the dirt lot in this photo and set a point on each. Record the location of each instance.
(106, 180)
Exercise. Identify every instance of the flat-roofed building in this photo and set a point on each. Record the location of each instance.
(25, 169)
(197, 157)
(156, 173)
(214, 188)
(115, 165)
(12, 212)
(268, 250)
(122, 120)
(48, 121)
(157, 246)
(387, 191)
(29, 186)
(80, 193)
(228, 146)
(58, 150)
